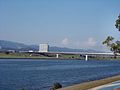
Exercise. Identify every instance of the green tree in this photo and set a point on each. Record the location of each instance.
(117, 24)
(113, 45)
(108, 41)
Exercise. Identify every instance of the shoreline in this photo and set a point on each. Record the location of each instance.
(52, 58)
(18, 55)
(92, 84)
(40, 58)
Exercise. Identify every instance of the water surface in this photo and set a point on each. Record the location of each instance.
(41, 74)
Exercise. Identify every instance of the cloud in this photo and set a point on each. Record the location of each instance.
(86, 44)
(90, 42)
(65, 41)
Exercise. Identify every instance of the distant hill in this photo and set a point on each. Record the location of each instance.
(9, 45)
(64, 49)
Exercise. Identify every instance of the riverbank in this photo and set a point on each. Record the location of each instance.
(92, 84)
(28, 55)
(39, 56)
(110, 86)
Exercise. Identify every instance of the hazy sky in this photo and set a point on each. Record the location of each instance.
(65, 23)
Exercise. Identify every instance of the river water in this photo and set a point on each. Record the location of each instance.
(33, 74)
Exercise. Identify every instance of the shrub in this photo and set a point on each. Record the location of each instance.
(56, 86)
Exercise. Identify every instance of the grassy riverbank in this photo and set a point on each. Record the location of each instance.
(92, 84)
(20, 55)
(37, 56)
(17, 55)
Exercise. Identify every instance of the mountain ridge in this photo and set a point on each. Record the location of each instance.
(10, 45)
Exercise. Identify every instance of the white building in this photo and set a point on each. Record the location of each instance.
(43, 48)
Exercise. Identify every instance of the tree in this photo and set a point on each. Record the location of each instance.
(114, 45)
(118, 23)
(108, 41)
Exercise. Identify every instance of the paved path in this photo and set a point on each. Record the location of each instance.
(110, 86)
(110, 83)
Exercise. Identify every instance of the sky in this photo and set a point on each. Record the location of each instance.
(79, 24)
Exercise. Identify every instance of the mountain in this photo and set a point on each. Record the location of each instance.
(64, 49)
(9, 45)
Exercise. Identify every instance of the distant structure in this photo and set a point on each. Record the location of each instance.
(43, 48)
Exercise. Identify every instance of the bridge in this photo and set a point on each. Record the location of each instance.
(82, 53)
(85, 54)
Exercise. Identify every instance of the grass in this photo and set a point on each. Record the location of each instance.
(70, 56)
(28, 55)
(19, 55)
(53, 56)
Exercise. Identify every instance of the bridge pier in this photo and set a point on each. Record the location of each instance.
(57, 55)
(86, 57)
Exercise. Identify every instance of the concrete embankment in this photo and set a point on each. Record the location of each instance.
(92, 84)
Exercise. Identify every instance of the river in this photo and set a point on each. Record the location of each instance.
(33, 74)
